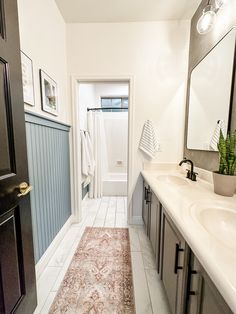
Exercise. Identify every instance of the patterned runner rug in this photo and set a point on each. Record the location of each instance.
(99, 278)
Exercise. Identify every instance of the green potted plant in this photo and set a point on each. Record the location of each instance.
(225, 178)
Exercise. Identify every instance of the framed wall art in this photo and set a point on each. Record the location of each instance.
(27, 79)
(49, 96)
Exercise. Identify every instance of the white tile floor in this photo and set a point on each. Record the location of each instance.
(106, 212)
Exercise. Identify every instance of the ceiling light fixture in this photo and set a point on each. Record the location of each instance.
(208, 17)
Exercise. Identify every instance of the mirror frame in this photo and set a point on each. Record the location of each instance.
(232, 92)
(199, 46)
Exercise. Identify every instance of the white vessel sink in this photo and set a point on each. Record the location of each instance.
(172, 179)
(219, 221)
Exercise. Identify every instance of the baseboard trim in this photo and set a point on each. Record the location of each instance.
(42, 263)
(136, 220)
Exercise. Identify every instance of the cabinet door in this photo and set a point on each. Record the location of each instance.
(155, 222)
(146, 206)
(202, 296)
(173, 266)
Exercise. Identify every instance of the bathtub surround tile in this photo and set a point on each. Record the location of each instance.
(143, 274)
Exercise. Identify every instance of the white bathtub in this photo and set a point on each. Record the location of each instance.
(115, 184)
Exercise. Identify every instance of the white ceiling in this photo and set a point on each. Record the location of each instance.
(92, 11)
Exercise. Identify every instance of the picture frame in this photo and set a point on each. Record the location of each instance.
(27, 80)
(49, 96)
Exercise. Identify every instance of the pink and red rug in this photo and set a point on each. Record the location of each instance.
(99, 278)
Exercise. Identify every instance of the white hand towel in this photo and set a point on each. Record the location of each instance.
(148, 142)
(90, 159)
(91, 164)
(216, 135)
(84, 155)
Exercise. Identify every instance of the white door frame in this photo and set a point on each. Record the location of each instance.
(76, 150)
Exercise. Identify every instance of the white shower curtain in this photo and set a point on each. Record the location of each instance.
(97, 134)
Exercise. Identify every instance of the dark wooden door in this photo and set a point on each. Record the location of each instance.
(17, 269)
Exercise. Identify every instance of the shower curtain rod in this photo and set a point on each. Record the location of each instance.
(106, 108)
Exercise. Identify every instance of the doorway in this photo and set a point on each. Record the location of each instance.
(110, 99)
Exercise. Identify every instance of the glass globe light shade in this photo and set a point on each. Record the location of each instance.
(207, 20)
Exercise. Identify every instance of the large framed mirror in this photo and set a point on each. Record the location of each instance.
(211, 95)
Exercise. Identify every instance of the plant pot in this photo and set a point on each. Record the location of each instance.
(224, 184)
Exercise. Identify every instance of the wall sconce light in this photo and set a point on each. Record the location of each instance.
(208, 17)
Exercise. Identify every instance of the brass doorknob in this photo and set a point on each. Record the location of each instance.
(24, 189)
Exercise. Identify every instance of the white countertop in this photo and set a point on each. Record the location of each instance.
(218, 259)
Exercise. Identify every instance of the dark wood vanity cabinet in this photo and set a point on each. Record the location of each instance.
(189, 289)
(174, 265)
(202, 296)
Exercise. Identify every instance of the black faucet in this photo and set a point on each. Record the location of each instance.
(190, 173)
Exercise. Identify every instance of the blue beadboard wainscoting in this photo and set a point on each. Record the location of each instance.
(49, 173)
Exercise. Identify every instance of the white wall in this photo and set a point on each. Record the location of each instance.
(155, 54)
(43, 39)
(110, 90)
(89, 96)
(87, 99)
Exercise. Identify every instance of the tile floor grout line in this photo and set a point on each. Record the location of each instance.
(86, 215)
(108, 203)
(99, 207)
(48, 294)
(125, 210)
(115, 214)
